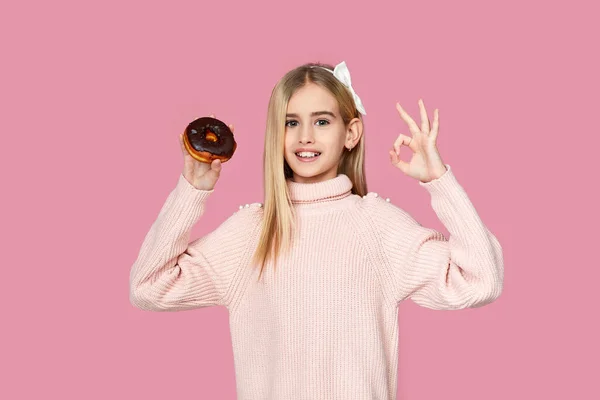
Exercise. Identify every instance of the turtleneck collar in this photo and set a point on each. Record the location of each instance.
(331, 189)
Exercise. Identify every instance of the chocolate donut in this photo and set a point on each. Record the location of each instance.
(208, 139)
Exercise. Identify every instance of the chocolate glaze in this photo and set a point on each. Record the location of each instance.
(196, 132)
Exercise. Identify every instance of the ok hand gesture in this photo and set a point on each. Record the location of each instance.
(426, 163)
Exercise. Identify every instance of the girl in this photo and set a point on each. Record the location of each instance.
(313, 279)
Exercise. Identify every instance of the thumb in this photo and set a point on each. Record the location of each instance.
(213, 173)
(216, 166)
(397, 162)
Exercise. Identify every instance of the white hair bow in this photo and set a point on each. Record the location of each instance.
(342, 73)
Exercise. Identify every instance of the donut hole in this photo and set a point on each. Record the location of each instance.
(211, 137)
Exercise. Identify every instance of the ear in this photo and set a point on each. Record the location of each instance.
(353, 133)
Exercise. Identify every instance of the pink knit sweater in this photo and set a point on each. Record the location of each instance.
(324, 324)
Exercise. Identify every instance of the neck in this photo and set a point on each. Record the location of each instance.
(327, 190)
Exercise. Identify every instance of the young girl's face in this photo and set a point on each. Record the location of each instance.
(314, 135)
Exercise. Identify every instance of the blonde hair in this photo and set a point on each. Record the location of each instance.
(279, 217)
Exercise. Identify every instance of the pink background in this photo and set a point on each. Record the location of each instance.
(94, 96)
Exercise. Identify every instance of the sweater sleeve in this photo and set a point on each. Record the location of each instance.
(173, 274)
(465, 270)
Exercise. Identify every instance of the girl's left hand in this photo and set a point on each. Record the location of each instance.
(426, 163)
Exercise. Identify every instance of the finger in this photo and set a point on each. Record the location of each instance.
(412, 125)
(424, 117)
(404, 140)
(398, 142)
(397, 162)
(181, 143)
(436, 124)
(231, 127)
(212, 115)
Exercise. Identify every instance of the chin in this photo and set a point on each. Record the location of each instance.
(303, 174)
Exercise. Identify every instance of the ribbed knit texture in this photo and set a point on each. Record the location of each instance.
(324, 323)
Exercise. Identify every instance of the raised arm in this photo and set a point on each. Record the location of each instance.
(172, 274)
(465, 270)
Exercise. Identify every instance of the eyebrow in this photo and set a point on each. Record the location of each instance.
(313, 114)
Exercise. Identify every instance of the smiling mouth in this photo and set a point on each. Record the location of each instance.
(307, 155)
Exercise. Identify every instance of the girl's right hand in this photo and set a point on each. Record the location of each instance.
(203, 176)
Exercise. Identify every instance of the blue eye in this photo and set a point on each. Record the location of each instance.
(292, 120)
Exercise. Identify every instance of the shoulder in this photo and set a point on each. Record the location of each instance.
(249, 213)
(252, 207)
(239, 226)
(382, 209)
(375, 203)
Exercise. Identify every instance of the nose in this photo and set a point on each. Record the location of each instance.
(306, 135)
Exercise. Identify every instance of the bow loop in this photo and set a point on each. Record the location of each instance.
(342, 73)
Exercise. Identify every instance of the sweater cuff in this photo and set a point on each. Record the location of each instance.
(443, 184)
(189, 191)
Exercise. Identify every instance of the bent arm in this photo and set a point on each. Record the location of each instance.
(465, 270)
(172, 274)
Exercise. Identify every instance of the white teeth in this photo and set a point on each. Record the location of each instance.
(307, 154)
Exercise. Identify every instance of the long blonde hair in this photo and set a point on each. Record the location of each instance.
(279, 217)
